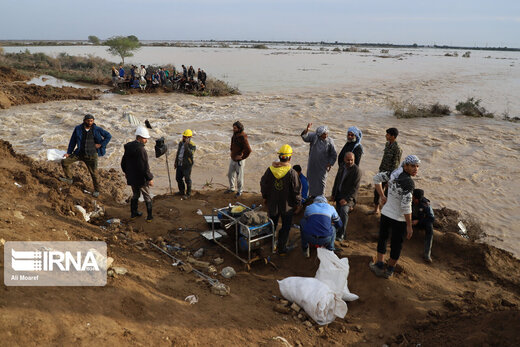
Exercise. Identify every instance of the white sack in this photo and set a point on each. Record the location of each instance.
(55, 154)
(315, 297)
(334, 272)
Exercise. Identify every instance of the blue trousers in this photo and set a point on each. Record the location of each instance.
(309, 238)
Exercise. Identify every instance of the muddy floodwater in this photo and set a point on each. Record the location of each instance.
(468, 164)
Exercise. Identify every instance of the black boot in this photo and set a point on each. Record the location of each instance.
(188, 189)
(133, 209)
(181, 186)
(149, 218)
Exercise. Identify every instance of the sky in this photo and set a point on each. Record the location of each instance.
(441, 22)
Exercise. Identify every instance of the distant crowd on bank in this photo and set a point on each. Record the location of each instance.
(285, 190)
(142, 78)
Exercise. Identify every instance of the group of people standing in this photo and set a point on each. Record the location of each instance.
(284, 188)
(142, 78)
(403, 206)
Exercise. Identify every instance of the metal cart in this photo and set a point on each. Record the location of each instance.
(246, 237)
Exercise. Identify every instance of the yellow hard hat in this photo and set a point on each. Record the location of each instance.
(285, 151)
(187, 133)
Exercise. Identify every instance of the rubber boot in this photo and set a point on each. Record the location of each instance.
(149, 218)
(133, 209)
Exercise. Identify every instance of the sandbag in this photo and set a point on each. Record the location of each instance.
(334, 272)
(55, 154)
(315, 297)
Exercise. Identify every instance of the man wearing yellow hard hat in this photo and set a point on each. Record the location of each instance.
(280, 187)
(184, 163)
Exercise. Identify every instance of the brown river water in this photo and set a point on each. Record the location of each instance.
(468, 164)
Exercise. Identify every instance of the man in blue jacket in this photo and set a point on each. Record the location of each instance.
(422, 217)
(317, 227)
(88, 141)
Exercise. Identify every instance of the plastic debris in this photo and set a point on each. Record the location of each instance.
(282, 340)
(192, 299)
(18, 184)
(220, 289)
(199, 253)
(199, 212)
(228, 272)
(115, 221)
(55, 154)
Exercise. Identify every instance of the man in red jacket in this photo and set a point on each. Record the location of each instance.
(240, 150)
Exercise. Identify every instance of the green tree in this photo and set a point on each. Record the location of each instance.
(93, 39)
(123, 46)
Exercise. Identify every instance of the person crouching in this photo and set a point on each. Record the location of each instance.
(137, 171)
(316, 226)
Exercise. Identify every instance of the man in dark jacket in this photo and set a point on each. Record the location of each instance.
(280, 187)
(184, 163)
(239, 151)
(422, 217)
(88, 141)
(345, 190)
(390, 161)
(354, 136)
(137, 171)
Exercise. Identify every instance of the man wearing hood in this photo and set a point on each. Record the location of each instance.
(88, 141)
(316, 226)
(137, 171)
(396, 214)
(239, 151)
(280, 187)
(322, 156)
(353, 145)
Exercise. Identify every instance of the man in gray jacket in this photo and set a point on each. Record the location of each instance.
(322, 156)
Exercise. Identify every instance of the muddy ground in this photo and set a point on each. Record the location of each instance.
(15, 91)
(469, 296)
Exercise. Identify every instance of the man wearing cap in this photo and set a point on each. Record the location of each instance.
(396, 215)
(322, 156)
(88, 141)
(239, 151)
(280, 187)
(137, 171)
(184, 163)
(318, 225)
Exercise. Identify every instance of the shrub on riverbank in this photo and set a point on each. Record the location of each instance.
(411, 110)
(88, 69)
(472, 108)
(216, 87)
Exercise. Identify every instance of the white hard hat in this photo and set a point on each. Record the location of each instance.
(143, 132)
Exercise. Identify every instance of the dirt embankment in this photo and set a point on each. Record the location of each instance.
(469, 296)
(15, 91)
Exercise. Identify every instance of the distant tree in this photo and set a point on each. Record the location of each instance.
(93, 39)
(123, 46)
